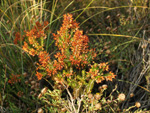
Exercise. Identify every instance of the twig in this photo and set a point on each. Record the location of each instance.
(71, 98)
(79, 104)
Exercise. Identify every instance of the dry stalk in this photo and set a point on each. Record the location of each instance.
(71, 98)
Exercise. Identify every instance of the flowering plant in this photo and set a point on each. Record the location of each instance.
(72, 70)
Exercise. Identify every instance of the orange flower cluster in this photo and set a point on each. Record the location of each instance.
(36, 32)
(110, 76)
(71, 42)
(34, 46)
(44, 64)
(44, 58)
(104, 66)
(79, 47)
(17, 38)
(73, 51)
(14, 79)
(72, 45)
(39, 75)
(96, 72)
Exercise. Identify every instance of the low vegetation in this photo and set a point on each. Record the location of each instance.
(74, 56)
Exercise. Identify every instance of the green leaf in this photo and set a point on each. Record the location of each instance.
(83, 73)
(90, 86)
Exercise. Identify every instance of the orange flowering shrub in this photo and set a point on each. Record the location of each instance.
(73, 51)
(71, 67)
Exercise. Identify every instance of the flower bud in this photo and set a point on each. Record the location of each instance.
(118, 15)
(97, 106)
(33, 82)
(101, 51)
(109, 101)
(40, 110)
(100, 88)
(26, 82)
(108, 51)
(108, 28)
(44, 90)
(97, 96)
(104, 86)
(39, 96)
(143, 46)
(63, 109)
(31, 93)
(35, 94)
(108, 17)
(32, 87)
(25, 74)
(37, 85)
(137, 104)
(121, 97)
(99, 30)
(106, 47)
(131, 95)
(90, 96)
(30, 78)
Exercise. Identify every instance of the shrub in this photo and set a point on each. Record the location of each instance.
(72, 68)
